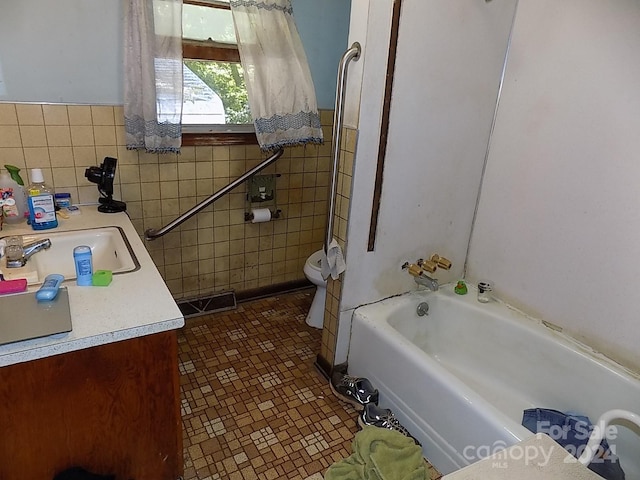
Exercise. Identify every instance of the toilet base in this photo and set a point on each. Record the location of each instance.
(315, 317)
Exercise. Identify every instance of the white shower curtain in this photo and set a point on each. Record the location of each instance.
(153, 75)
(281, 93)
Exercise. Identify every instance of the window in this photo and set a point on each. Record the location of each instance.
(215, 106)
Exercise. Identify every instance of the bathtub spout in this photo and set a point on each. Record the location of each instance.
(427, 281)
(421, 278)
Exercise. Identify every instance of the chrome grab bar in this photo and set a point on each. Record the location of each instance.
(338, 116)
(152, 233)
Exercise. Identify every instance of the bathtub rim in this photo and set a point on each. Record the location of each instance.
(536, 325)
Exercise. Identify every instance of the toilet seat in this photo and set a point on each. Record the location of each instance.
(313, 270)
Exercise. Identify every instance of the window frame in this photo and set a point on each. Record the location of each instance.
(215, 51)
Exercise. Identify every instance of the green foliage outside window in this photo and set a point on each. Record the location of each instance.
(227, 80)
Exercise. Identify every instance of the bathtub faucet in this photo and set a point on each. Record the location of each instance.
(426, 281)
(419, 275)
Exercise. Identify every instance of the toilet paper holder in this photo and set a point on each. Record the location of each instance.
(248, 216)
(261, 193)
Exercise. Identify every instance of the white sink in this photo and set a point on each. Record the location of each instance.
(110, 250)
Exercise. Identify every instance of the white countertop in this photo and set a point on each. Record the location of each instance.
(133, 305)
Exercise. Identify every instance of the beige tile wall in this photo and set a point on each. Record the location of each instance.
(214, 251)
(340, 219)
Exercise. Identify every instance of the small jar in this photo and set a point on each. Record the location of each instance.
(485, 287)
(63, 200)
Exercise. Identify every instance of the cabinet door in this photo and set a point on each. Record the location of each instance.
(114, 408)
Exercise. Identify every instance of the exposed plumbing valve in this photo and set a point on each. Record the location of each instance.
(412, 268)
(423, 309)
(428, 265)
(441, 262)
(419, 275)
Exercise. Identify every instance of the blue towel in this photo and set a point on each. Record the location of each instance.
(572, 431)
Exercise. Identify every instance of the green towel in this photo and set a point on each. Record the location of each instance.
(380, 454)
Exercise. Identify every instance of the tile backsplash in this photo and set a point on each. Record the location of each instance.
(214, 251)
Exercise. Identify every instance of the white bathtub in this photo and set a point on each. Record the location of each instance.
(460, 377)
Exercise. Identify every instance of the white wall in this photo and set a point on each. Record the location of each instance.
(558, 226)
(448, 66)
(449, 61)
(370, 26)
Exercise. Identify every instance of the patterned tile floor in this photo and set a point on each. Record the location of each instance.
(253, 404)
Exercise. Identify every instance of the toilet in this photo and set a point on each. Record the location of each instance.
(312, 271)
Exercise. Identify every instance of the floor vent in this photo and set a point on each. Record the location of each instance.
(218, 302)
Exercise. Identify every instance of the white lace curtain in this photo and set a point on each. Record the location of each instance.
(281, 93)
(153, 75)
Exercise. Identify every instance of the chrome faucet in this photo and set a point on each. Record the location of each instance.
(426, 281)
(419, 270)
(419, 275)
(28, 251)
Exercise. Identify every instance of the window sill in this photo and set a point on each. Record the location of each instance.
(200, 139)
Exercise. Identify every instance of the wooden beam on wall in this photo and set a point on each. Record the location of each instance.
(384, 129)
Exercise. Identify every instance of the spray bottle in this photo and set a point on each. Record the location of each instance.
(13, 198)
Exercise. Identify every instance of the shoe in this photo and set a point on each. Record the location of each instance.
(383, 418)
(355, 390)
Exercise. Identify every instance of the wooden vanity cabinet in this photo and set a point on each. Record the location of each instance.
(111, 409)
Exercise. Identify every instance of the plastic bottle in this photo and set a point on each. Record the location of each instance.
(12, 195)
(84, 265)
(42, 210)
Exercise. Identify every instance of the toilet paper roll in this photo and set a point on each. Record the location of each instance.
(260, 215)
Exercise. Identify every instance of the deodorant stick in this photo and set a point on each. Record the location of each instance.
(84, 265)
